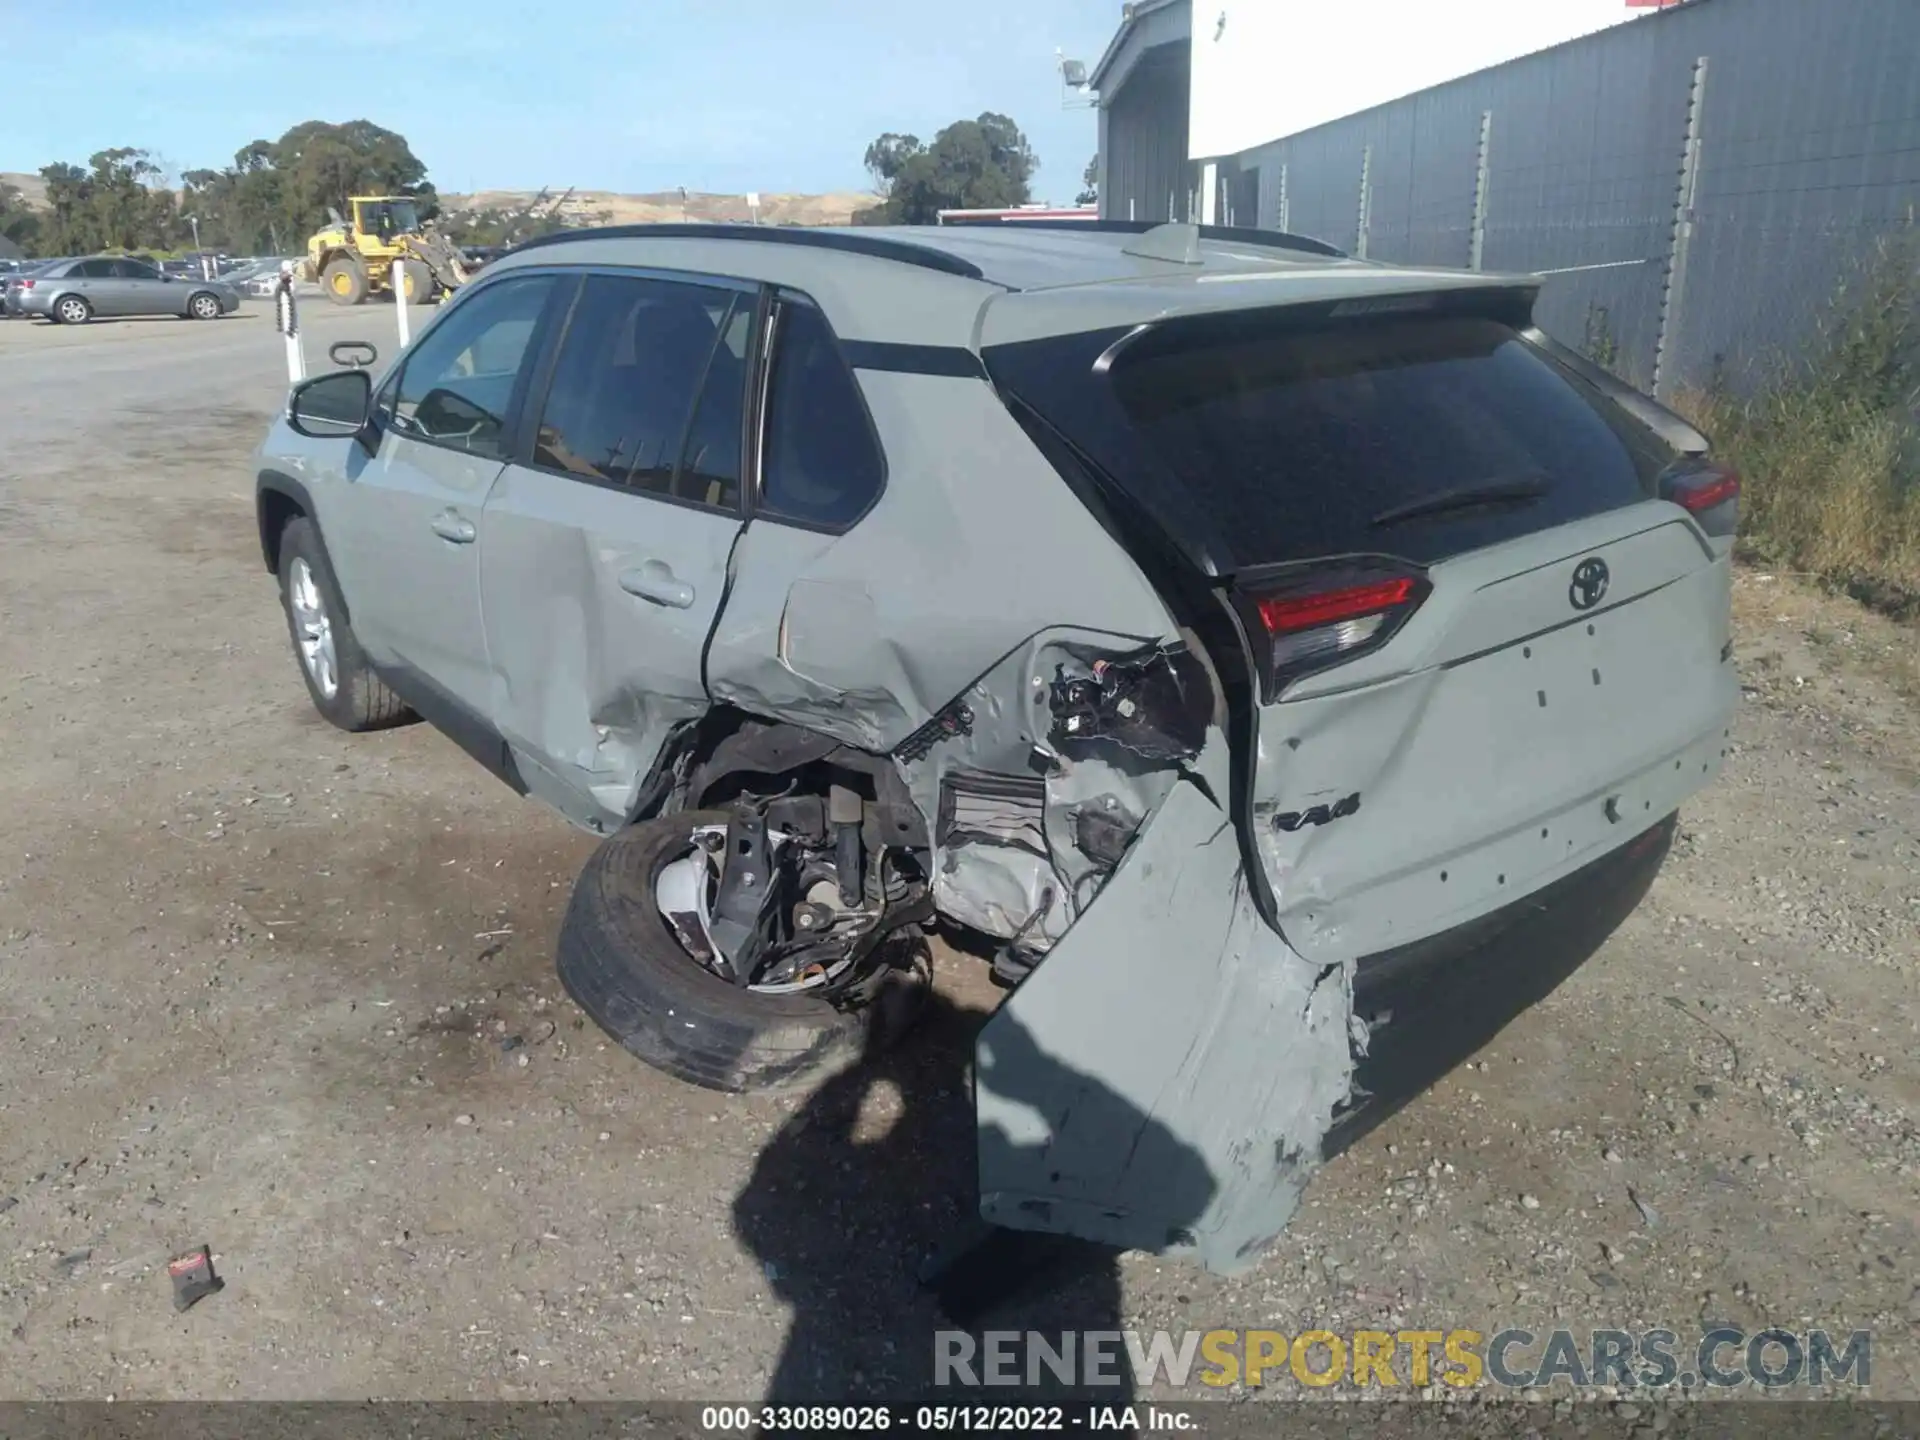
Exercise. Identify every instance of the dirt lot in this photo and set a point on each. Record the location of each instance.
(289, 993)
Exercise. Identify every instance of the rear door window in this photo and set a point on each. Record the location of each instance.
(1417, 437)
(823, 465)
(648, 389)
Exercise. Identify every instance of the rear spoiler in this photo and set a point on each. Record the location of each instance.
(1670, 426)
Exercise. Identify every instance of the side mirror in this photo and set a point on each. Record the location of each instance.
(331, 407)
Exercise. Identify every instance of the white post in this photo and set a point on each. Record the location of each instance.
(397, 277)
(1209, 193)
(287, 322)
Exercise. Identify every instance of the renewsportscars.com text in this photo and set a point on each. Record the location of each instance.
(1513, 1358)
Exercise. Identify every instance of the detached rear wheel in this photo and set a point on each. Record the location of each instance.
(632, 971)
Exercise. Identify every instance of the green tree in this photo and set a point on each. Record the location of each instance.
(984, 163)
(18, 222)
(1089, 184)
(278, 192)
(69, 223)
(321, 165)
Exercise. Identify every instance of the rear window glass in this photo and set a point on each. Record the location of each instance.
(823, 466)
(1419, 437)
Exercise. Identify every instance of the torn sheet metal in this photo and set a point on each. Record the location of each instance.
(1163, 1081)
(1156, 703)
(1007, 858)
(973, 546)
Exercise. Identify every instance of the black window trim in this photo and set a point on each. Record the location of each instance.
(783, 298)
(534, 403)
(511, 422)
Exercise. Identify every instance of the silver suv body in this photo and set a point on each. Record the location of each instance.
(1231, 635)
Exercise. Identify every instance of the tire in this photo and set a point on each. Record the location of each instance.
(70, 310)
(204, 306)
(345, 280)
(358, 699)
(624, 966)
(414, 281)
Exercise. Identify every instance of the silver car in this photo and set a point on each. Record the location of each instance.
(1279, 667)
(108, 286)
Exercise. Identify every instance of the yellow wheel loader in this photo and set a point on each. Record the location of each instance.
(382, 245)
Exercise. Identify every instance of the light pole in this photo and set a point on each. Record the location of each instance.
(198, 254)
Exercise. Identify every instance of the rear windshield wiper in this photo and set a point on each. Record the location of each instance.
(1463, 497)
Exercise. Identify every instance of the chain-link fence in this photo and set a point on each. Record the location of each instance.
(1696, 185)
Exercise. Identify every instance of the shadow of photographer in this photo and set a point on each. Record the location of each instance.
(879, 1169)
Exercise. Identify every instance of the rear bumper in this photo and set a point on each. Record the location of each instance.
(1173, 1074)
(1433, 1003)
(1163, 1081)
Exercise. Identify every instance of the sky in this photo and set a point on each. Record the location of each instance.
(724, 96)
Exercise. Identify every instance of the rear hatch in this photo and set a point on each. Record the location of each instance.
(1483, 610)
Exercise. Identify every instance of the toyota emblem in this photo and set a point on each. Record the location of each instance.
(1589, 585)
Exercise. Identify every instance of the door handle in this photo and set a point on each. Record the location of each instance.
(654, 580)
(449, 526)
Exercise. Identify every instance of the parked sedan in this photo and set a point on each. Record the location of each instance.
(10, 283)
(76, 291)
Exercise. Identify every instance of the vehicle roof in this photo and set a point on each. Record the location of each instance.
(931, 284)
(1038, 256)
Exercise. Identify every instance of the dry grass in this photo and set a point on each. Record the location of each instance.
(1829, 449)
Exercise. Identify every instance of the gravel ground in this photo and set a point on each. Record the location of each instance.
(289, 993)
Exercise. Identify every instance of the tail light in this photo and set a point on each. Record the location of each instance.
(1706, 490)
(1312, 619)
(24, 284)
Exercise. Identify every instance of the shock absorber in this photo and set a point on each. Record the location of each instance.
(843, 815)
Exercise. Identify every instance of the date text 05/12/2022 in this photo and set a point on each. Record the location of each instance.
(946, 1419)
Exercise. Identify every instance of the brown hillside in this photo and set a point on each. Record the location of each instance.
(835, 209)
(31, 187)
(656, 209)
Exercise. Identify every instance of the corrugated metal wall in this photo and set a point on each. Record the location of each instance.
(1808, 152)
(1145, 173)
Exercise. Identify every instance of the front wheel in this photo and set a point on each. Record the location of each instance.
(204, 306)
(630, 968)
(344, 280)
(340, 682)
(72, 310)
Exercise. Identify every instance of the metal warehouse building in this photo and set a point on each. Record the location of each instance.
(1695, 179)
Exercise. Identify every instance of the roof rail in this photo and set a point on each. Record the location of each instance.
(1238, 234)
(881, 247)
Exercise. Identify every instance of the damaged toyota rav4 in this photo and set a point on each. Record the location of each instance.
(1212, 629)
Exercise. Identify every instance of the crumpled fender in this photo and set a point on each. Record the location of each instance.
(1164, 1079)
